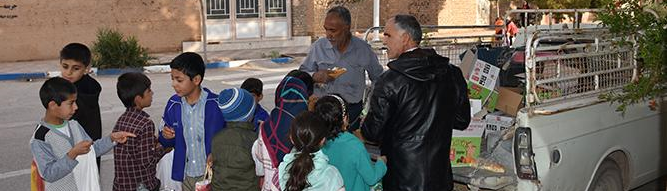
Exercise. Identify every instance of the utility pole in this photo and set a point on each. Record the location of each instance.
(376, 19)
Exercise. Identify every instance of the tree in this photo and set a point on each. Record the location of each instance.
(560, 4)
(571, 4)
(647, 25)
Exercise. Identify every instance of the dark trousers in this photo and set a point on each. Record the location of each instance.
(353, 111)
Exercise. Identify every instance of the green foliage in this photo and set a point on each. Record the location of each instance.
(649, 30)
(113, 50)
(570, 4)
(272, 54)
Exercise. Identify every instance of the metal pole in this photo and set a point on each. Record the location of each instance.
(498, 9)
(576, 20)
(376, 19)
(204, 41)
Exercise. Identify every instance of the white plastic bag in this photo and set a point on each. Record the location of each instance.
(85, 173)
(205, 185)
(164, 173)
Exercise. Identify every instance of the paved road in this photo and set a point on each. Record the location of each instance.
(21, 109)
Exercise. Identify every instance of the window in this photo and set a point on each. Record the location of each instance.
(276, 8)
(247, 9)
(217, 9)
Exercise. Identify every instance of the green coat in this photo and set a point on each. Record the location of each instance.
(233, 166)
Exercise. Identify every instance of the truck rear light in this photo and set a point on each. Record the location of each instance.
(523, 154)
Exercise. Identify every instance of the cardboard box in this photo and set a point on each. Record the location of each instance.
(489, 97)
(479, 71)
(482, 78)
(497, 121)
(466, 144)
(484, 74)
(467, 62)
(509, 100)
(475, 106)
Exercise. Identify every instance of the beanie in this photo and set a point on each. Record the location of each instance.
(236, 104)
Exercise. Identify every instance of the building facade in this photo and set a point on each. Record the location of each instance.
(36, 30)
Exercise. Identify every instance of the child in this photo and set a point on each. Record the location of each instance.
(135, 161)
(308, 80)
(306, 167)
(233, 167)
(273, 141)
(345, 151)
(57, 141)
(191, 118)
(255, 86)
(74, 66)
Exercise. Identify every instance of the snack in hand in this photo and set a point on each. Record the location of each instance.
(335, 72)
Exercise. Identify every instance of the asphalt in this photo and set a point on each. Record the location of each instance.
(37, 69)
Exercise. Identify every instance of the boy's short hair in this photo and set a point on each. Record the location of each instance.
(56, 89)
(253, 85)
(305, 78)
(77, 52)
(131, 85)
(190, 63)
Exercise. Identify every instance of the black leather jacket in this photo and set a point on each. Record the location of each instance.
(414, 107)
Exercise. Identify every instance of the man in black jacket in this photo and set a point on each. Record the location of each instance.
(414, 107)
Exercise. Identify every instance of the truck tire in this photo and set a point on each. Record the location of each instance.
(608, 177)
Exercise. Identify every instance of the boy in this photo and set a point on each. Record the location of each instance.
(74, 66)
(57, 141)
(135, 161)
(255, 87)
(191, 118)
(233, 166)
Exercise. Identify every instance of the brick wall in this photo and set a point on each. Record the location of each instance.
(41, 28)
(428, 12)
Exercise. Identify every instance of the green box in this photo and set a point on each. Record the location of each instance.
(466, 144)
(464, 150)
(489, 97)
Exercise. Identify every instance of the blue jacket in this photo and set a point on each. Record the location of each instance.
(213, 123)
(260, 116)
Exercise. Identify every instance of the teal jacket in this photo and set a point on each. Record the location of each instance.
(353, 162)
(324, 176)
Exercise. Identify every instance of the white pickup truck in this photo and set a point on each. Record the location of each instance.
(565, 137)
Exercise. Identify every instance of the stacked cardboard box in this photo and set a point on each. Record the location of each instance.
(482, 79)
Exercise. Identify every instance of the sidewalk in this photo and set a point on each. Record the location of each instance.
(26, 70)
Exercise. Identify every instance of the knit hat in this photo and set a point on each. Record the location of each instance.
(236, 104)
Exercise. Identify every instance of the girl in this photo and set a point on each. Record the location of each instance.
(345, 151)
(273, 142)
(306, 167)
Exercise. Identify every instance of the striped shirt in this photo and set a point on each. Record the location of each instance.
(135, 161)
(193, 132)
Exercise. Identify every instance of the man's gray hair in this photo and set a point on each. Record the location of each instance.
(410, 25)
(343, 13)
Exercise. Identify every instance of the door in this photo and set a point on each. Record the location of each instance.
(229, 20)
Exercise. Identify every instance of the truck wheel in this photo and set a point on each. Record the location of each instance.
(608, 177)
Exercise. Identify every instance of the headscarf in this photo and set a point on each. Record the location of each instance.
(291, 99)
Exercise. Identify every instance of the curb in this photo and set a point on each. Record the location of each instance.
(19, 76)
(95, 71)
